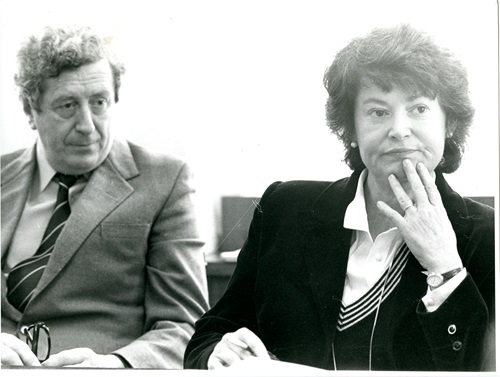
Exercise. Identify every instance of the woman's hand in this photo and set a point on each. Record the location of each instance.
(82, 357)
(16, 352)
(425, 226)
(236, 346)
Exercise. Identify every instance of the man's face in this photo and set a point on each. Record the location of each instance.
(75, 118)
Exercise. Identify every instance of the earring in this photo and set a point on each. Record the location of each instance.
(354, 144)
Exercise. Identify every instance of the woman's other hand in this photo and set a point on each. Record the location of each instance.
(236, 346)
(425, 226)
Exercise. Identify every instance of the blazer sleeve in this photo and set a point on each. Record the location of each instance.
(461, 333)
(176, 287)
(236, 308)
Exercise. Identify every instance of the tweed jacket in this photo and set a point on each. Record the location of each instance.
(127, 274)
(288, 284)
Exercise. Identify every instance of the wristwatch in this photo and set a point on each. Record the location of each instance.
(435, 280)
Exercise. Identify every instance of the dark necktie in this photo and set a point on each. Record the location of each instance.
(24, 277)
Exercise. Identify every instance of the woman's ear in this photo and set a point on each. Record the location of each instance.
(450, 129)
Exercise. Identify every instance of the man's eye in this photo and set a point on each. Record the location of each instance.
(66, 110)
(99, 106)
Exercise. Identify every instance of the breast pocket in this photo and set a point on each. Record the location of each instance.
(124, 230)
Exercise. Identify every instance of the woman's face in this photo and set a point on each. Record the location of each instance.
(393, 126)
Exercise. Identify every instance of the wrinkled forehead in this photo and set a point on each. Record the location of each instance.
(87, 81)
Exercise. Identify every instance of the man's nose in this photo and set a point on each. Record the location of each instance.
(85, 123)
(401, 126)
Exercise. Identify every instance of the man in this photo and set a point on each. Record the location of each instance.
(107, 228)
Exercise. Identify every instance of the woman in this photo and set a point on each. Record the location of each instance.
(389, 269)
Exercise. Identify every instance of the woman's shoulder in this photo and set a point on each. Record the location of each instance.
(301, 193)
(481, 214)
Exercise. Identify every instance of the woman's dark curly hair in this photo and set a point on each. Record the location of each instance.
(58, 50)
(403, 57)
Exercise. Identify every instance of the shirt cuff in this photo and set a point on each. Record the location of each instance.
(433, 299)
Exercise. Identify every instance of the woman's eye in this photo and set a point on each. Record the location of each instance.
(420, 109)
(377, 113)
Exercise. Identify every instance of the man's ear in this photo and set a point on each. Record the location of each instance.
(30, 111)
(31, 120)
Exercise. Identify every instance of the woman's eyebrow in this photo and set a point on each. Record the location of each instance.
(415, 96)
(375, 100)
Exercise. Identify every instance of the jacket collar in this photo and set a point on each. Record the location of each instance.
(455, 206)
(331, 204)
(23, 164)
(123, 161)
(17, 177)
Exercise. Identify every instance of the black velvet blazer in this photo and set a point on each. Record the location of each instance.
(288, 283)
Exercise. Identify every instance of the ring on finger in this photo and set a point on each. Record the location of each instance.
(408, 206)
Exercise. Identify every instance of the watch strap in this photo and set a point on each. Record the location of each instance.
(448, 275)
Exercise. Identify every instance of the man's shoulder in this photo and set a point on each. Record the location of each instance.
(131, 160)
(149, 157)
(14, 163)
(9, 157)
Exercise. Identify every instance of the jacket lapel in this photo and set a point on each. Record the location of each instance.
(457, 213)
(17, 178)
(106, 189)
(327, 245)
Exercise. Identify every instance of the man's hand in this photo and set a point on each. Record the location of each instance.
(16, 352)
(236, 346)
(82, 357)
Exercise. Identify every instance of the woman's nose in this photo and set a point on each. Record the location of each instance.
(400, 126)
(85, 123)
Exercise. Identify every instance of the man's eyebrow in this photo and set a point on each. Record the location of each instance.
(102, 93)
(62, 98)
(71, 97)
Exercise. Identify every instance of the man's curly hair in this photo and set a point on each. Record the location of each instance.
(55, 51)
(399, 56)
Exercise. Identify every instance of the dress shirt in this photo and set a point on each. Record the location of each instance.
(38, 210)
(368, 259)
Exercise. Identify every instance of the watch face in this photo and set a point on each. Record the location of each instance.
(434, 280)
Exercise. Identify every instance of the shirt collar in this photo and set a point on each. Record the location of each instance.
(45, 171)
(355, 214)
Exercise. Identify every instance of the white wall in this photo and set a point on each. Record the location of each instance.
(235, 87)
